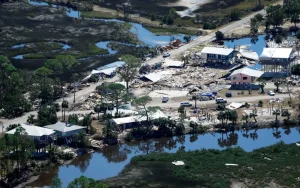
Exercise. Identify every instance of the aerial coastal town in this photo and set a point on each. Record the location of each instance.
(129, 93)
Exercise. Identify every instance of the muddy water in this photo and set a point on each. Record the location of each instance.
(111, 160)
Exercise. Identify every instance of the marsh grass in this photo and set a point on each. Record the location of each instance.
(278, 163)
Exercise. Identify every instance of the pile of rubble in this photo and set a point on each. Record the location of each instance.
(189, 78)
(90, 102)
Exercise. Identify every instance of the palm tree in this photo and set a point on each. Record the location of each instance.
(245, 118)
(97, 109)
(185, 59)
(289, 92)
(195, 98)
(277, 84)
(276, 113)
(254, 114)
(221, 116)
(64, 106)
(30, 119)
(262, 86)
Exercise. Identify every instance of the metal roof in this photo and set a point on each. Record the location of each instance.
(275, 53)
(218, 51)
(247, 71)
(64, 127)
(32, 130)
(132, 119)
(154, 77)
(249, 54)
(172, 63)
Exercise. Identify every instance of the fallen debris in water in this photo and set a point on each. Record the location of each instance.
(178, 163)
(267, 158)
(229, 164)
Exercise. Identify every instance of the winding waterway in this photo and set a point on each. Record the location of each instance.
(111, 160)
(143, 34)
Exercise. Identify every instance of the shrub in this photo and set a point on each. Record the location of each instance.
(259, 17)
(128, 137)
(219, 35)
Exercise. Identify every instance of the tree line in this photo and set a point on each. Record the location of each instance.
(21, 89)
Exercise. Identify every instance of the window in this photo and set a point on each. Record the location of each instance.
(245, 78)
(211, 55)
(234, 78)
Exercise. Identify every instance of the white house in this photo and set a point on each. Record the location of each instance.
(277, 60)
(127, 122)
(215, 54)
(63, 129)
(35, 132)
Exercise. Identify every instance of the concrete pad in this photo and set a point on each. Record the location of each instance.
(169, 93)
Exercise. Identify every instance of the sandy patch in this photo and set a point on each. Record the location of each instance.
(169, 93)
(191, 5)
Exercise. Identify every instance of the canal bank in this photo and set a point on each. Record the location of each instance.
(110, 161)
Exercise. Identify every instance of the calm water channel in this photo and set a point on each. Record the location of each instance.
(144, 35)
(111, 160)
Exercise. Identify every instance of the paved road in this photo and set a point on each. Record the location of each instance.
(172, 104)
(206, 38)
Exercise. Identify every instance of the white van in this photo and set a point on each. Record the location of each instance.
(165, 98)
(220, 100)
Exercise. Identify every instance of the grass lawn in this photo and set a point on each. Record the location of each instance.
(98, 14)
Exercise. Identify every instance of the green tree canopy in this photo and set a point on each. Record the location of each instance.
(56, 183)
(129, 70)
(84, 182)
(219, 35)
(296, 70)
(275, 15)
(47, 115)
(116, 93)
(55, 65)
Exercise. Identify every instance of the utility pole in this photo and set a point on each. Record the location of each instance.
(74, 87)
(1, 123)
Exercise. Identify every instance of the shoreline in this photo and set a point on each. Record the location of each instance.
(245, 168)
(263, 125)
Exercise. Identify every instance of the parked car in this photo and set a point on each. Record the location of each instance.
(228, 94)
(204, 98)
(220, 100)
(215, 93)
(207, 94)
(186, 104)
(166, 54)
(271, 93)
(165, 99)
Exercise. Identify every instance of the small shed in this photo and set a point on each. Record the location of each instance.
(63, 129)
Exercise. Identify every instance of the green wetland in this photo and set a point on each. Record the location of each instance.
(147, 163)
